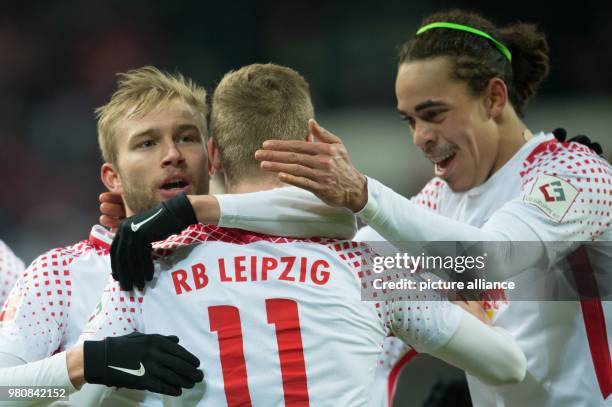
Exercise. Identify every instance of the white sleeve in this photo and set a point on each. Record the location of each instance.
(51, 371)
(449, 333)
(500, 361)
(397, 219)
(424, 325)
(287, 211)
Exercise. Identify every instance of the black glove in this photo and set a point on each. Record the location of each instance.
(145, 362)
(131, 249)
(561, 135)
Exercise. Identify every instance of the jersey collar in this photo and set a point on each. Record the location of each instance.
(509, 168)
(101, 237)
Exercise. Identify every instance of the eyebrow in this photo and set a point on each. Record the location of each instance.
(142, 133)
(149, 132)
(427, 104)
(187, 127)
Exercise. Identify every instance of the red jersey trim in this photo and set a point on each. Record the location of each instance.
(395, 372)
(594, 320)
(101, 238)
(199, 233)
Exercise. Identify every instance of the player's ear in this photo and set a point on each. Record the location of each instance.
(110, 178)
(496, 97)
(214, 157)
(311, 129)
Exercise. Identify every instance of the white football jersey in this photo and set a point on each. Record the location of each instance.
(564, 192)
(273, 320)
(51, 301)
(11, 268)
(50, 304)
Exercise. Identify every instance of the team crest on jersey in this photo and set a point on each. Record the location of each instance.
(553, 196)
(97, 317)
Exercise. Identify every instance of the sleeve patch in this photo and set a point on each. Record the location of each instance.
(97, 317)
(553, 196)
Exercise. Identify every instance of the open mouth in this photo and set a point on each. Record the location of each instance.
(174, 185)
(444, 162)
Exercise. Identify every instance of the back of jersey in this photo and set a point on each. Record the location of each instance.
(273, 321)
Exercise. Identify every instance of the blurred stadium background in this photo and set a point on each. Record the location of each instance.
(59, 59)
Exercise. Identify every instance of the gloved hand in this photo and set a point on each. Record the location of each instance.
(561, 135)
(145, 362)
(131, 249)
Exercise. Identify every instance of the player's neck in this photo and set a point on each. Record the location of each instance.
(513, 135)
(252, 185)
(128, 211)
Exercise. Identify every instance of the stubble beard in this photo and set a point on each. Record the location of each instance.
(140, 197)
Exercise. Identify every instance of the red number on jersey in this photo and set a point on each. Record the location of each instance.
(225, 320)
(283, 313)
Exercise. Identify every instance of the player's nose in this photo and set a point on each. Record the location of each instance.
(172, 155)
(424, 136)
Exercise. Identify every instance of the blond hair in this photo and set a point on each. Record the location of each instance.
(256, 103)
(139, 92)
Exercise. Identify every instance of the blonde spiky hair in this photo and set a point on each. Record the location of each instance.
(139, 92)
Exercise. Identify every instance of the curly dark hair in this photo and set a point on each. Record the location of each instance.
(476, 60)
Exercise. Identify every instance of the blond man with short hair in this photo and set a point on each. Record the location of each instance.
(248, 106)
(152, 114)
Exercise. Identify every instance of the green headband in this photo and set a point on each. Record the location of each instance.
(501, 47)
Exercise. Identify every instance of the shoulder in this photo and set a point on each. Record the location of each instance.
(570, 185)
(52, 270)
(574, 162)
(64, 256)
(45, 287)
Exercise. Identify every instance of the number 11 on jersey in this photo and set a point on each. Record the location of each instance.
(283, 314)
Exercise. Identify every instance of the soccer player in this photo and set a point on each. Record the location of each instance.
(50, 303)
(11, 268)
(462, 86)
(280, 320)
(151, 134)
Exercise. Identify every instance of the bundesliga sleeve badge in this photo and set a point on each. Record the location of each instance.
(553, 196)
(97, 317)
